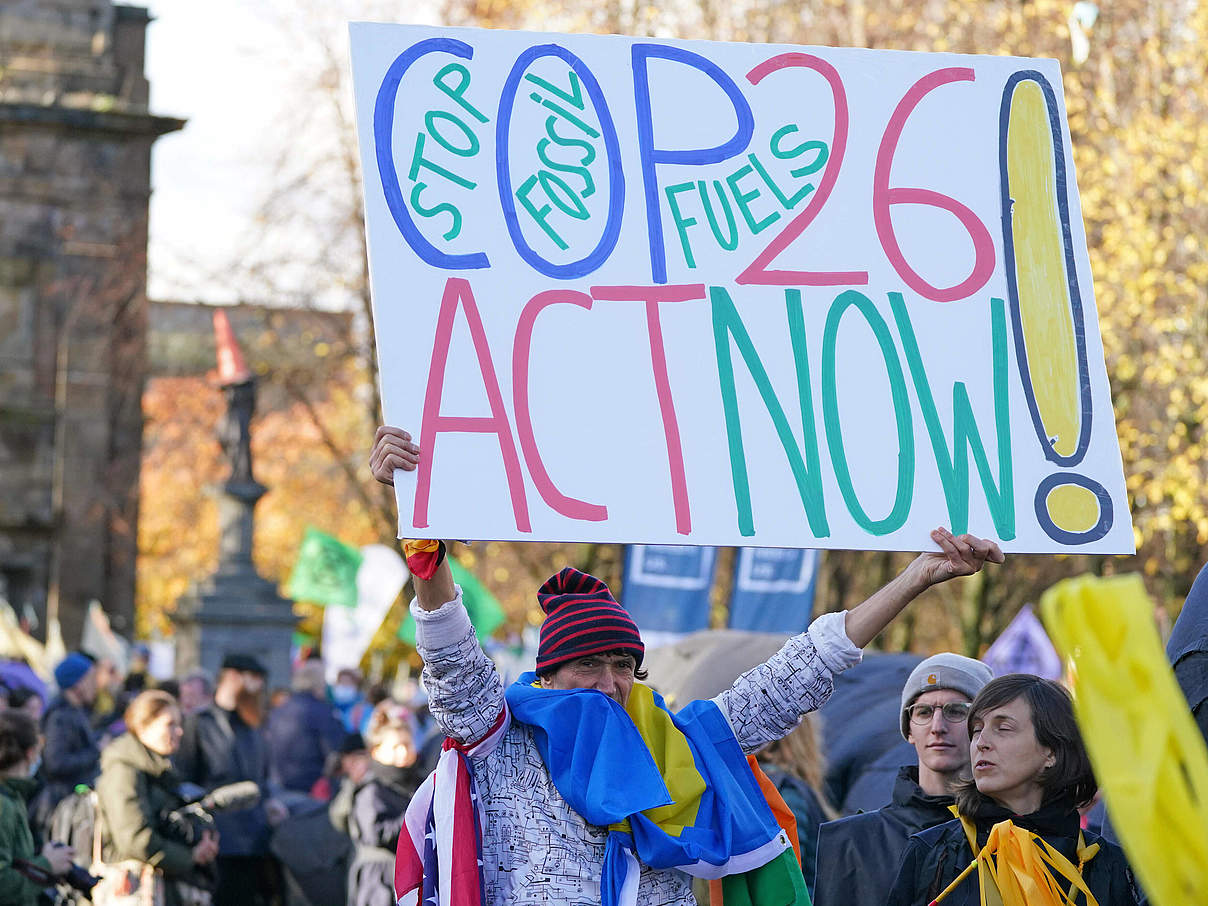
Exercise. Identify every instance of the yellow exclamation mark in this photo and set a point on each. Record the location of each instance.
(1046, 306)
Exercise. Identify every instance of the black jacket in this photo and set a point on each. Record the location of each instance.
(71, 755)
(1187, 650)
(301, 733)
(935, 857)
(858, 857)
(219, 748)
(374, 824)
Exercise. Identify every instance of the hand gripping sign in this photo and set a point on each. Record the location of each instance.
(687, 292)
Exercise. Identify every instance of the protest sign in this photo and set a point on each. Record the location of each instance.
(681, 292)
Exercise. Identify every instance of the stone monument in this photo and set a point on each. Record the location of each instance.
(235, 609)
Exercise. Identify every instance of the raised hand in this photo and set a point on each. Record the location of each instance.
(959, 555)
(392, 449)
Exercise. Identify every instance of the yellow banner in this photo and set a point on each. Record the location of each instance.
(1148, 755)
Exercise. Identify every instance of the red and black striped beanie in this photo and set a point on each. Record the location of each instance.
(581, 618)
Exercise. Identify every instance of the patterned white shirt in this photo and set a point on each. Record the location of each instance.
(537, 849)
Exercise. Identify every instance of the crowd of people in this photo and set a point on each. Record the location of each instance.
(111, 778)
(584, 787)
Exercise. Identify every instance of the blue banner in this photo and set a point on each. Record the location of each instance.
(666, 588)
(773, 589)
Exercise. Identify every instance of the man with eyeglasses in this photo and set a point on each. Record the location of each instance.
(858, 856)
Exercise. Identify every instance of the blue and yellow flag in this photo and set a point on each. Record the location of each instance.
(674, 790)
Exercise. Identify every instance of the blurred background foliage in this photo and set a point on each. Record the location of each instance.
(1136, 91)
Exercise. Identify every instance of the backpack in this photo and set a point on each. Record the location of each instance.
(72, 822)
(73, 819)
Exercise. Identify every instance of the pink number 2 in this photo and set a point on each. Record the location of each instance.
(757, 271)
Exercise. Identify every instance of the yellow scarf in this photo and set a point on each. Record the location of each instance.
(1018, 868)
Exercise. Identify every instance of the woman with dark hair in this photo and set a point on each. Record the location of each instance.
(1031, 774)
(136, 790)
(20, 750)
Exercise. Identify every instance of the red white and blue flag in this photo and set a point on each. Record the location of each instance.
(439, 858)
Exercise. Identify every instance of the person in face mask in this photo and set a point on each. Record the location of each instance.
(302, 731)
(379, 802)
(20, 752)
(348, 700)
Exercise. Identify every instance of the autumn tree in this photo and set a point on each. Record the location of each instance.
(1136, 93)
(1137, 98)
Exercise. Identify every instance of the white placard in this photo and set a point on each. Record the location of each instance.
(688, 292)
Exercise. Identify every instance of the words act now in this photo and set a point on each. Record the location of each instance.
(953, 449)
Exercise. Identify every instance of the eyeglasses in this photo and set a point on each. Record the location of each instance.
(954, 712)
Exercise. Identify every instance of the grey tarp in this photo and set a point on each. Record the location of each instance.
(864, 747)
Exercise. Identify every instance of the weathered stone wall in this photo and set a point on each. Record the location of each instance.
(75, 149)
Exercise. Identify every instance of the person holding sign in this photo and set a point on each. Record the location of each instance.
(609, 798)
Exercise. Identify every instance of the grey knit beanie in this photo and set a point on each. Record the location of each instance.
(944, 671)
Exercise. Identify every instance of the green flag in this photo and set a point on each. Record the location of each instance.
(485, 612)
(326, 571)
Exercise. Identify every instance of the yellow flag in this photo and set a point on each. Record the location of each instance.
(1148, 756)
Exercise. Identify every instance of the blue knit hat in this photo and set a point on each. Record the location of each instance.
(71, 670)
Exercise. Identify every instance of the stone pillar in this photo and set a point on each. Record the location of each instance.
(236, 609)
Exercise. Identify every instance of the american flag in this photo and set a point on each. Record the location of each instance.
(439, 858)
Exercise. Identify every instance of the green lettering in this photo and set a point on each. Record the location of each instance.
(774, 144)
(681, 222)
(443, 208)
(589, 150)
(418, 162)
(458, 93)
(901, 409)
(822, 154)
(789, 203)
(541, 214)
(817, 163)
(731, 243)
(574, 96)
(744, 200)
(804, 460)
(430, 120)
(954, 468)
(565, 198)
(589, 185)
